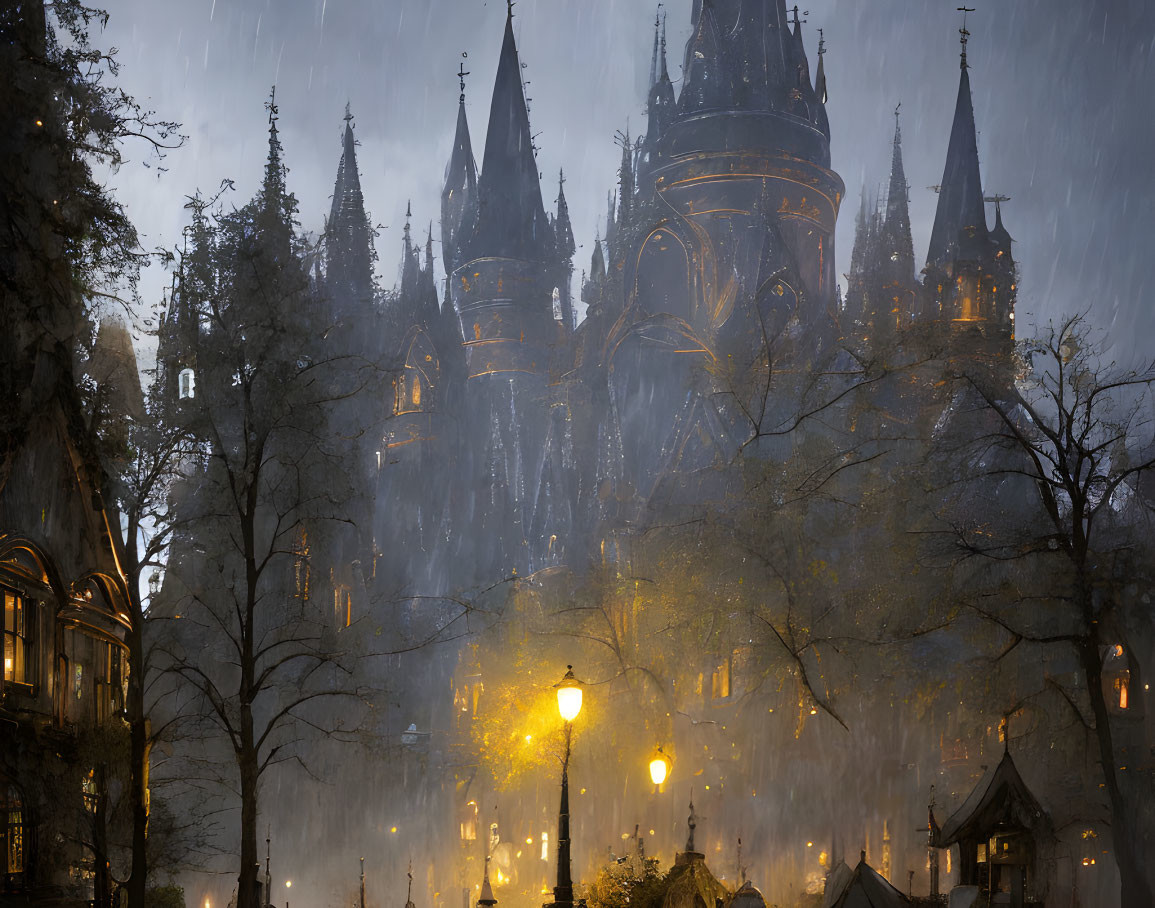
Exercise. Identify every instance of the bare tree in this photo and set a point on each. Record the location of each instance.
(1073, 444)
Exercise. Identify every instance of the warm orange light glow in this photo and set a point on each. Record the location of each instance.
(660, 765)
(569, 696)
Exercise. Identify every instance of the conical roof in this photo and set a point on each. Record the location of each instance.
(511, 220)
(1002, 797)
(960, 227)
(459, 194)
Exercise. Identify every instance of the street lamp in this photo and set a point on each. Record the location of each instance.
(569, 704)
(660, 766)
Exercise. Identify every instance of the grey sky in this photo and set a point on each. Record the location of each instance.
(1062, 91)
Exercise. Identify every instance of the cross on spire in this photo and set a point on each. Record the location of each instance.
(348, 112)
(798, 21)
(821, 42)
(462, 72)
(509, 7)
(964, 35)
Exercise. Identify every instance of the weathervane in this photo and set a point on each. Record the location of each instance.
(964, 35)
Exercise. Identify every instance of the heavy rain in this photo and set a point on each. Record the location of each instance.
(617, 454)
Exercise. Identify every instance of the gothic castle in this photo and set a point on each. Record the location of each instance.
(510, 438)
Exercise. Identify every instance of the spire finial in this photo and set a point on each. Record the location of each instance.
(964, 35)
(462, 72)
(797, 21)
(897, 128)
(509, 8)
(408, 211)
(271, 107)
(348, 112)
(821, 42)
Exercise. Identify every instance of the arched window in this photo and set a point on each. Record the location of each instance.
(556, 297)
(19, 664)
(416, 391)
(187, 385)
(12, 831)
(399, 400)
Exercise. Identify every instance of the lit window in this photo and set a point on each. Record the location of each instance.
(187, 385)
(88, 787)
(556, 297)
(1121, 685)
(108, 676)
(720, 680)
(545, 846)
(11, 830)
(18, 662)
(416, 391)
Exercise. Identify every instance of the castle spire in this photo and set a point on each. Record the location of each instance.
(706, 83)
(896, 227)
(960, 229)
(349, 245)
(661, 106)
(820, 75)
(511, 219)
(654, 57)
(459, 194)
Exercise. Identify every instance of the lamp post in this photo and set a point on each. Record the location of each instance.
(569, 704)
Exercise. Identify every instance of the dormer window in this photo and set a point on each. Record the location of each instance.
(186, 384)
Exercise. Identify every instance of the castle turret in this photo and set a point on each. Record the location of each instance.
(966, 283)
(566, 247)
(501, 287)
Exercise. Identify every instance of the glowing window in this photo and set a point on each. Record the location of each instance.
(416, 391)
(18, 661)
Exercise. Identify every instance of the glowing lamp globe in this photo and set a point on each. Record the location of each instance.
(569, 695)
(659, 767)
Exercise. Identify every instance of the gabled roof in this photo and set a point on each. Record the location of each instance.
(1001, 799)
(864, 887)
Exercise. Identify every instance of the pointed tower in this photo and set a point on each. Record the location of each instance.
(964, 272)
(661, 108)
(510, 244)
(566, 247)
(349, 241)
(459, 195)
(706, 79)
(895, 302)
(502, 289)
(960, 226)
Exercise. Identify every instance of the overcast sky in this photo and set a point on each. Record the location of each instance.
(1064, 94)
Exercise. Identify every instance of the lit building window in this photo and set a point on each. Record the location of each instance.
(88, 787)
(109, 680)
(416, 391)
(12, 851)
(545, 846)
(1121, 690)
(187, 384)
(557, 313)
(18, 661)
(720, 680)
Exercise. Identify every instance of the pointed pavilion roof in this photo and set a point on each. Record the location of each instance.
(960, 226)
(1001, 798)
(511, 220)
(864, 887)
